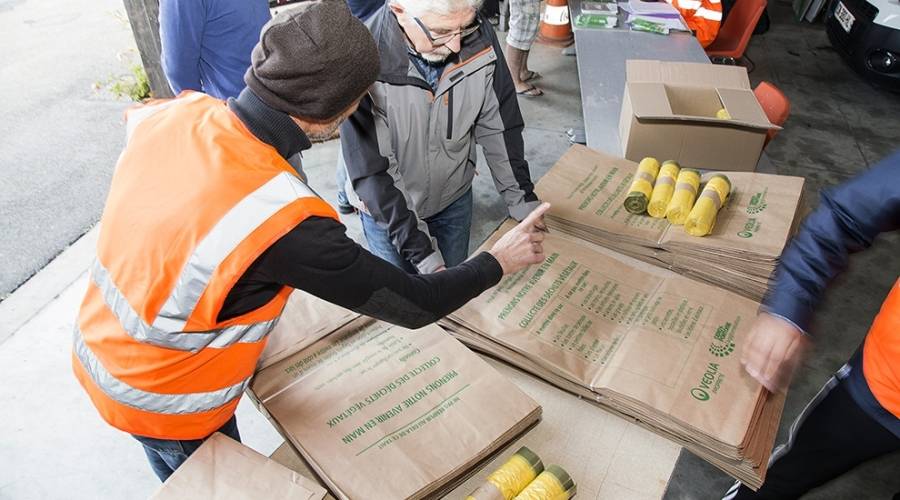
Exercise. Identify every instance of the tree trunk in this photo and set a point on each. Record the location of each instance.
(144, 18)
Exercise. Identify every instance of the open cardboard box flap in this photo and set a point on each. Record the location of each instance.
(654, 101)
(680, 73)
(744, 108)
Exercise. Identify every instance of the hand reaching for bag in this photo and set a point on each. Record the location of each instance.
(522, 246)
(774, 350)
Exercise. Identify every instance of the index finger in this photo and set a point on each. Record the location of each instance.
(536, 214)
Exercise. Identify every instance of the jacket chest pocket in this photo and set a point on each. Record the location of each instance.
(458, 117)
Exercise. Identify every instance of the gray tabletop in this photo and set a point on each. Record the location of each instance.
(601, 70)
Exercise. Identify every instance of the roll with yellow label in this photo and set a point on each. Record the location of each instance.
(663, 189)
(702, 218)
(553, 484)
(642, 186)
(682, 201)
(511, 478)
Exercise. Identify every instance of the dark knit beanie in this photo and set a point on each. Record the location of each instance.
(313, 61)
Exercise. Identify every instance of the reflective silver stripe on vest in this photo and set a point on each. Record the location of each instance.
(171, 404)
(225, 236)
(139, 330)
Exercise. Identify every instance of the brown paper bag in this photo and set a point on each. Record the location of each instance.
(227, 470)
(587, 190)
(380, 411)
(609, 458)
(306, 319)
(646, 342)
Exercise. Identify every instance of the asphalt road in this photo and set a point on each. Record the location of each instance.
(59, 136)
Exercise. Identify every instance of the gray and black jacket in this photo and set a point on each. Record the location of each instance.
(409, 152)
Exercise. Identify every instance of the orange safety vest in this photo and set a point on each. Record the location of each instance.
(703, 17)
(195, 199)
(881, 354)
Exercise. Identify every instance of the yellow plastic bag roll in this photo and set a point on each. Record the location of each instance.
(642, 186)
(723, 114)
(663, 189)
(682, 201)
(702, 218)
(553, 484)
(511, 478)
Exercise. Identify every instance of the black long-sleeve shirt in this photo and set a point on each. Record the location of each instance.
(318, 257)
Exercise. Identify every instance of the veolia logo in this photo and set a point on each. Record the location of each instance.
(723, 344)
(750, 228)
(701, 392)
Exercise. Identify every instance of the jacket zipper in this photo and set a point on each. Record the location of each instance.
(450, 114)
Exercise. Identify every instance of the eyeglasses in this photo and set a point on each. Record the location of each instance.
(441, 40)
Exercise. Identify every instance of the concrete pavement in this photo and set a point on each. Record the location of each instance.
(54, 445)
(59, 138)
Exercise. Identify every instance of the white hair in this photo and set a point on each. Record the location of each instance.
(418, 8)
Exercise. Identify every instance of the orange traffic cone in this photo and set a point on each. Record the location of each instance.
(555, 27)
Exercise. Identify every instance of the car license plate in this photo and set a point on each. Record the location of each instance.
(843, 15)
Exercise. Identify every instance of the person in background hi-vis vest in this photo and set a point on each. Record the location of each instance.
(207, 229)
(856, 415)
(703, 17)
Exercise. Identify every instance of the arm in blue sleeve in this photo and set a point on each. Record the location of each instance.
(848, 219)
(181, 25)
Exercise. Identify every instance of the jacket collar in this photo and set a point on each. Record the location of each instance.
(393, 49)
(269, 125)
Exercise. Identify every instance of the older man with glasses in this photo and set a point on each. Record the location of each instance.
(409, 150)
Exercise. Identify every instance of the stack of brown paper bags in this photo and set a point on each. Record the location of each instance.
(643, 342)
(587, 190)
(380, 411)
(609, 458)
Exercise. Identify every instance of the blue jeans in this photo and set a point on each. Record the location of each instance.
(166, 455)
(340, 178)
(450, 227)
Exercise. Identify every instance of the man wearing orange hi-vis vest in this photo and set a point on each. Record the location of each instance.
(703, 17)
(856, 415)
(208, 228)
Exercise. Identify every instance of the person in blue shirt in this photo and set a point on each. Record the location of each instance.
(363, 9)
(206, 44)
(856, 415)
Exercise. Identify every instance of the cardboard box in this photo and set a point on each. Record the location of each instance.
(669, 112)
(227, 470)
